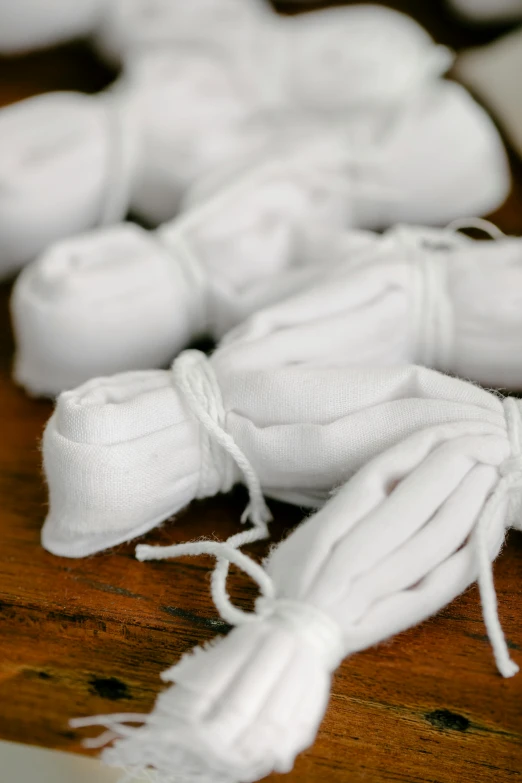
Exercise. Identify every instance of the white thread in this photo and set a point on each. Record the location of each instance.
(195, 379)
(313, 625)
(433, 322)
(511, 479)
(122, 156)
(489, 228)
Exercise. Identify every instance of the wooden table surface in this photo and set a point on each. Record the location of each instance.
(91, 636)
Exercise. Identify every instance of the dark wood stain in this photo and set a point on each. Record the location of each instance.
(78, 636)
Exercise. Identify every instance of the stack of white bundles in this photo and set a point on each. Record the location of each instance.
(487, 11)
(423, 296)
(412, 530)
(245, 236)
(178, 112)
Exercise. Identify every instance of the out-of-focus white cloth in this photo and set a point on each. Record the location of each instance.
(406, 535)
(426, 296)
(246, 235)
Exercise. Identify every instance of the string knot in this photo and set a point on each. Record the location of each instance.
(317, 629)
(433, 316)
(222, 461)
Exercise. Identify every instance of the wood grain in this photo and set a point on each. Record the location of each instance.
(90, 636)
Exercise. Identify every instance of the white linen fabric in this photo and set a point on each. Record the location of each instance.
(405, 536)
(245, 237)
(423, 296)
(122, 454)
(488, 10)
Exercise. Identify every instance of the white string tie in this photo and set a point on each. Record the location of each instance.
(122, 155)
(433, 322)
(310, 623)
(511, 479)
(196, 380)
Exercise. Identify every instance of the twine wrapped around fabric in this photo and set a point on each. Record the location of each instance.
(432, 297)
(123, 454)
(244, 238)
(406, 535)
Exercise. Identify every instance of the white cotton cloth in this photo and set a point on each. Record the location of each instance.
(488, 10)
(248, 237)
(122, 454)
(493, 72)
(177, 112)
(405, 536)
(73, 161)
(119, 27)
(423, 296)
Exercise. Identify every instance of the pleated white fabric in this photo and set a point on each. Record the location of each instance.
(420, 296)
(410, 532)
(249, 235)
(122, 454)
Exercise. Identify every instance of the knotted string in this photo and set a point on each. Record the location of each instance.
(196, 381)
(433, 322)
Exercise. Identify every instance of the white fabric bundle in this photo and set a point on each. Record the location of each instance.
(422, 296)
(488, 10)
(122, 454)
(244, 238)
(75, 161)
(410, 532)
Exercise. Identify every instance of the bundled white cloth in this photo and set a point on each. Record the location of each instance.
(245, 237)
(169, 119)
(180, 111)
(422, 296)
(410, 532)
(122, 454)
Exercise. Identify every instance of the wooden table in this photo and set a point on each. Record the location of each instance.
(91, 636)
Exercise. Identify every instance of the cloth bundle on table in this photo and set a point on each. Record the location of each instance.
(244, 237)
(177, 112)
(423, 296)
(408, 533)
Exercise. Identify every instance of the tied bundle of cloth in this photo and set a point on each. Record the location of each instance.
(180, 111)
(247, 237)
(413, 295)
(433, 478)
